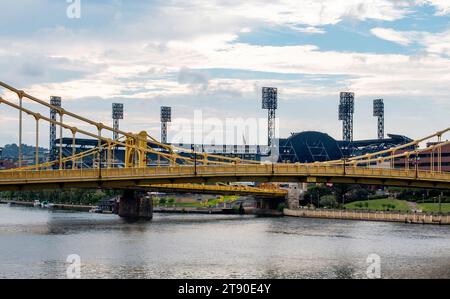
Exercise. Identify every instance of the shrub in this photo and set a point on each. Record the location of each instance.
(378, 197)
(281, 207)
(328, 201)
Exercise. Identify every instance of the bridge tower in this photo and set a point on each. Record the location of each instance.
(166, 117)
(346, 110)
(270, 103)
(54, 101)
(117, 114)
(135, 156)
(378, 111)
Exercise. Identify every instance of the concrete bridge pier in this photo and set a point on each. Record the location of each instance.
(268, 206)
(294, 195)
(135, 205)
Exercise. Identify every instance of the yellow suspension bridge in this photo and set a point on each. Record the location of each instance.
(186, 170)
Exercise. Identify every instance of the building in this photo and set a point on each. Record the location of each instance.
(301, 147)
(7, 164)
(314, 146)
(427, 160)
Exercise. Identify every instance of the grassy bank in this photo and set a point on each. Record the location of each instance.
(380, 205)
(433, 207)
(391, 204)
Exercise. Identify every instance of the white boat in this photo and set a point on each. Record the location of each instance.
(96, 210)
(36, 204)
(47, 205)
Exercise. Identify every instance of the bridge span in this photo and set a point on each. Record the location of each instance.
(150, 164)
(116, 178)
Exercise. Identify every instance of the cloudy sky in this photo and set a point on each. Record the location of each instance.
(215, 56)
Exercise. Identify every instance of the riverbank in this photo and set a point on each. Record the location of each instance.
(193, 210)
(404, 206)
(216, 211)
(415, 218)
(162, 210)
(78, 208)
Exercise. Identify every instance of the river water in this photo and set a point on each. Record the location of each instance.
(35, 243)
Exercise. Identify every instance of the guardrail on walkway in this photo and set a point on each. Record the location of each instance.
(418, 218)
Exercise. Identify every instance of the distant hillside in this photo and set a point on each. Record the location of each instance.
(11, 151)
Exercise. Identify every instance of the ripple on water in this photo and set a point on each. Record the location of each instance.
(35, 243)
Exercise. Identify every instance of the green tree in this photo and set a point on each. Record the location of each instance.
(328, 201)
(340, 191)
(357, 194)
(315, 192)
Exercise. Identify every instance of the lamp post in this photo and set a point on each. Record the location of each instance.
(318, 200)
(417, 159)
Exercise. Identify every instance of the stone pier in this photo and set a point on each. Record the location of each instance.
(268, 206)
(135, 205)
(294, 195)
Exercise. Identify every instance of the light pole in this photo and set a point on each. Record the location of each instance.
(318, 200)
(417, 159)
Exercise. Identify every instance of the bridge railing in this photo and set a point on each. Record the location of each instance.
(242, 170)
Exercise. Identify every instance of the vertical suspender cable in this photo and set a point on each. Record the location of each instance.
(20, 131)
(37, 143)
(60, 140)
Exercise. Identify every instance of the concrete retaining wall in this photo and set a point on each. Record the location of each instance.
(419, 218)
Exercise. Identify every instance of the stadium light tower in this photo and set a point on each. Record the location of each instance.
(378, 111)
(346, 110)
(54, 101)
(117, 114)
(270, 103)
(166, 117)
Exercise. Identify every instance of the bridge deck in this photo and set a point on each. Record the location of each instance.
(132, 177)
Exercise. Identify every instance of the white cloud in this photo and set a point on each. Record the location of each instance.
(442, 6)
(308, 30)
(432, 43)
(437, 43)
(157, 54)
(315, 13)
(391, 35)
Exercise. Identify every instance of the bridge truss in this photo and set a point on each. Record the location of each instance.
(398, 166)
